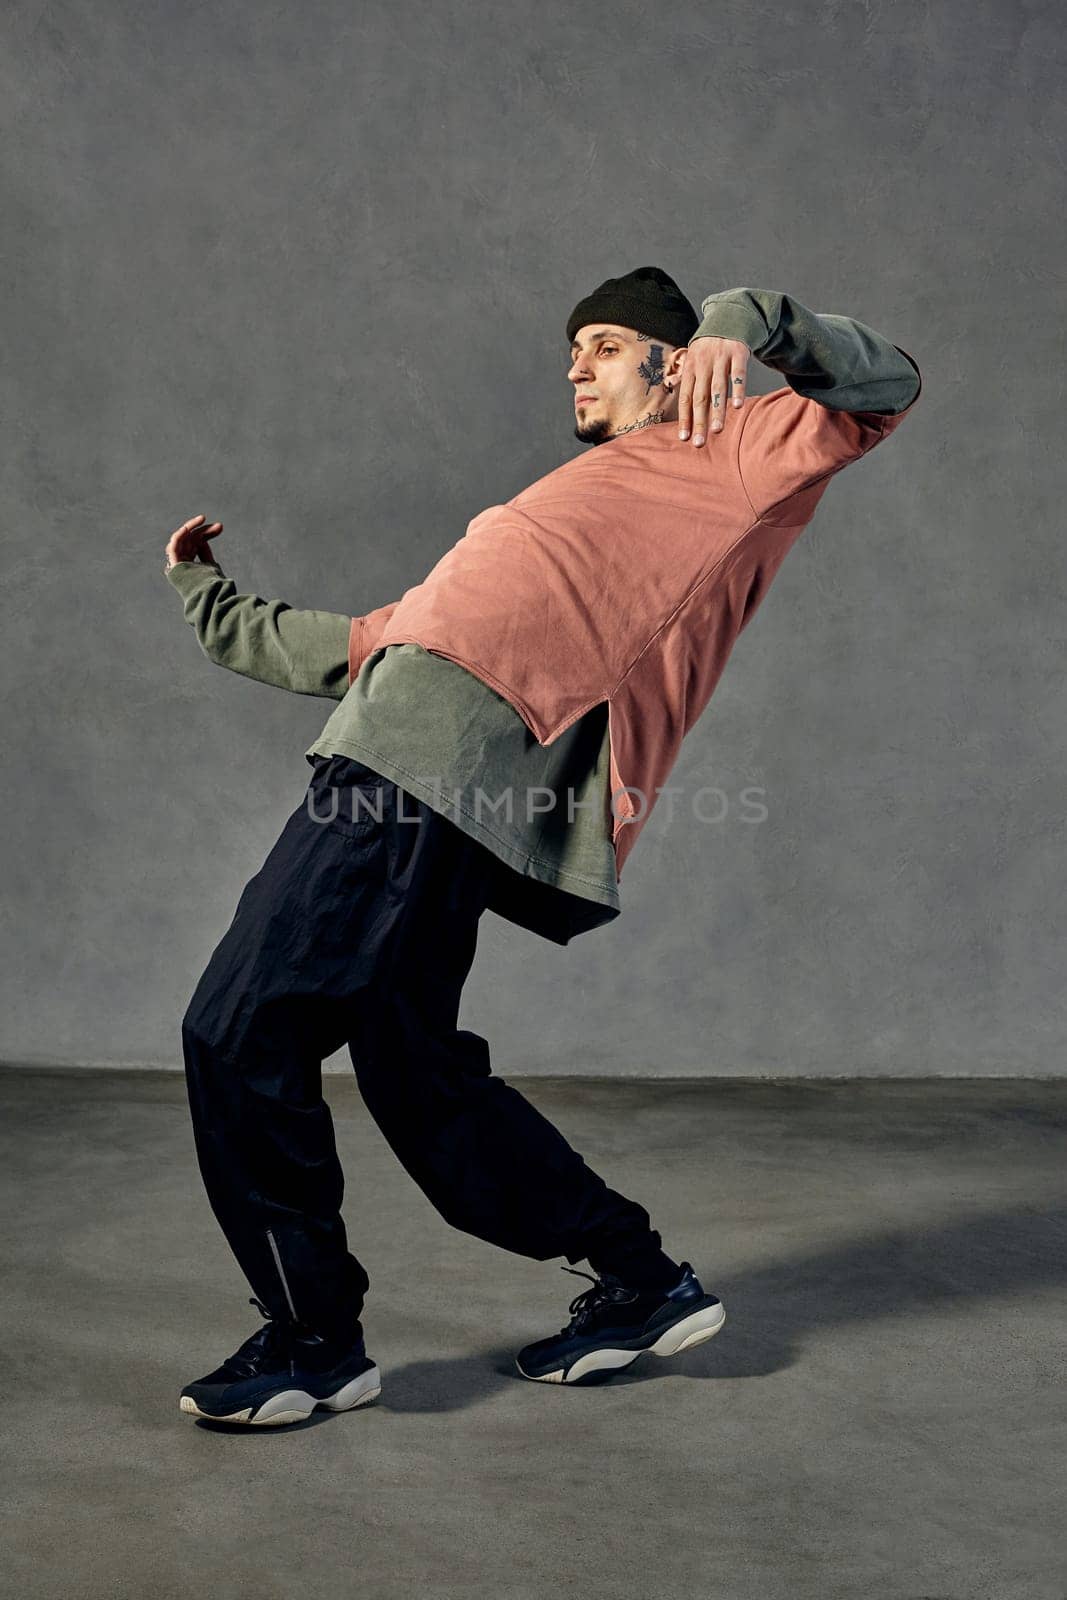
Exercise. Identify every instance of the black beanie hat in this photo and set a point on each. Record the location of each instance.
(647, 299)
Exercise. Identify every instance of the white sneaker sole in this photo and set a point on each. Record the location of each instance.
(295, 1405)
(702, 1325)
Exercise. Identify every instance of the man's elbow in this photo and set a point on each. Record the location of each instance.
(917, 385)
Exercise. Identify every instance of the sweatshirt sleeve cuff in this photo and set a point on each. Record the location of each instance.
(726, 319)
(188, 576)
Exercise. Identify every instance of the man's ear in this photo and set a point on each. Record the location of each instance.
(675, 362)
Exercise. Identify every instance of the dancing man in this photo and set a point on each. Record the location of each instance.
(502, 732)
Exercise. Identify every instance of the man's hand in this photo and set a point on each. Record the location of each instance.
(713, 371)
(189, 542)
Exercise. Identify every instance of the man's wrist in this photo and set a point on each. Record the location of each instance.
(733, 314)
(169, 565)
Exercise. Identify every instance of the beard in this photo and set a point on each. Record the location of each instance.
(593, 432)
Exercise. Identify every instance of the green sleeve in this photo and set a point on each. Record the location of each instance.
(305, 651)
(839, 362)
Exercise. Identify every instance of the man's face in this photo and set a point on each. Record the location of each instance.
(624, 371)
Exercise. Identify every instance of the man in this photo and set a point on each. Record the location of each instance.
(562, 648)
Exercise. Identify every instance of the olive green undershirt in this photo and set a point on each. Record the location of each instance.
(544, 811)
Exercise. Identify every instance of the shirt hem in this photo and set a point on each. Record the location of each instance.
(522, 862)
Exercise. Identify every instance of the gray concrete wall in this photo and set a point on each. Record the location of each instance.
(306, 270)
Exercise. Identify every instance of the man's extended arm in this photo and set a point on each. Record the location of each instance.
(839, 362)
(303, 651)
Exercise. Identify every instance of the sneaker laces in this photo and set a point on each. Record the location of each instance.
(274, 1340)
(605, 1291)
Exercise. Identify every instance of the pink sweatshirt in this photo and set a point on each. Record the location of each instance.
(626, 575)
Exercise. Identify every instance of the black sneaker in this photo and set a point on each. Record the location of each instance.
(281, 1374)
(612, 1325)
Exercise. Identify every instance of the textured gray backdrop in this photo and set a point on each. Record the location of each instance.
(306, 270)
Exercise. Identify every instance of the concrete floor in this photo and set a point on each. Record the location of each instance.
(883, 1413)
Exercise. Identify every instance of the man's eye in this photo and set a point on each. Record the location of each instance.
(604, 348)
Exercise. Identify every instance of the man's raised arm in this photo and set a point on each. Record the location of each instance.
(847, 389)
(839, 362)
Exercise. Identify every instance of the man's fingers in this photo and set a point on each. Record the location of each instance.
(190, 540)
(713, 395)
(700, 414)
(709, 400)
(685, 402)
(710, 381)
(737, 382)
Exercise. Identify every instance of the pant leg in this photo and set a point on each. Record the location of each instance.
(364, 932)
(278, 996)
(485, 1157)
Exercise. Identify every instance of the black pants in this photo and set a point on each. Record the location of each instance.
(360, 930)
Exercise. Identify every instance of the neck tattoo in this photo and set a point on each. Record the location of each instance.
(642, 422)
